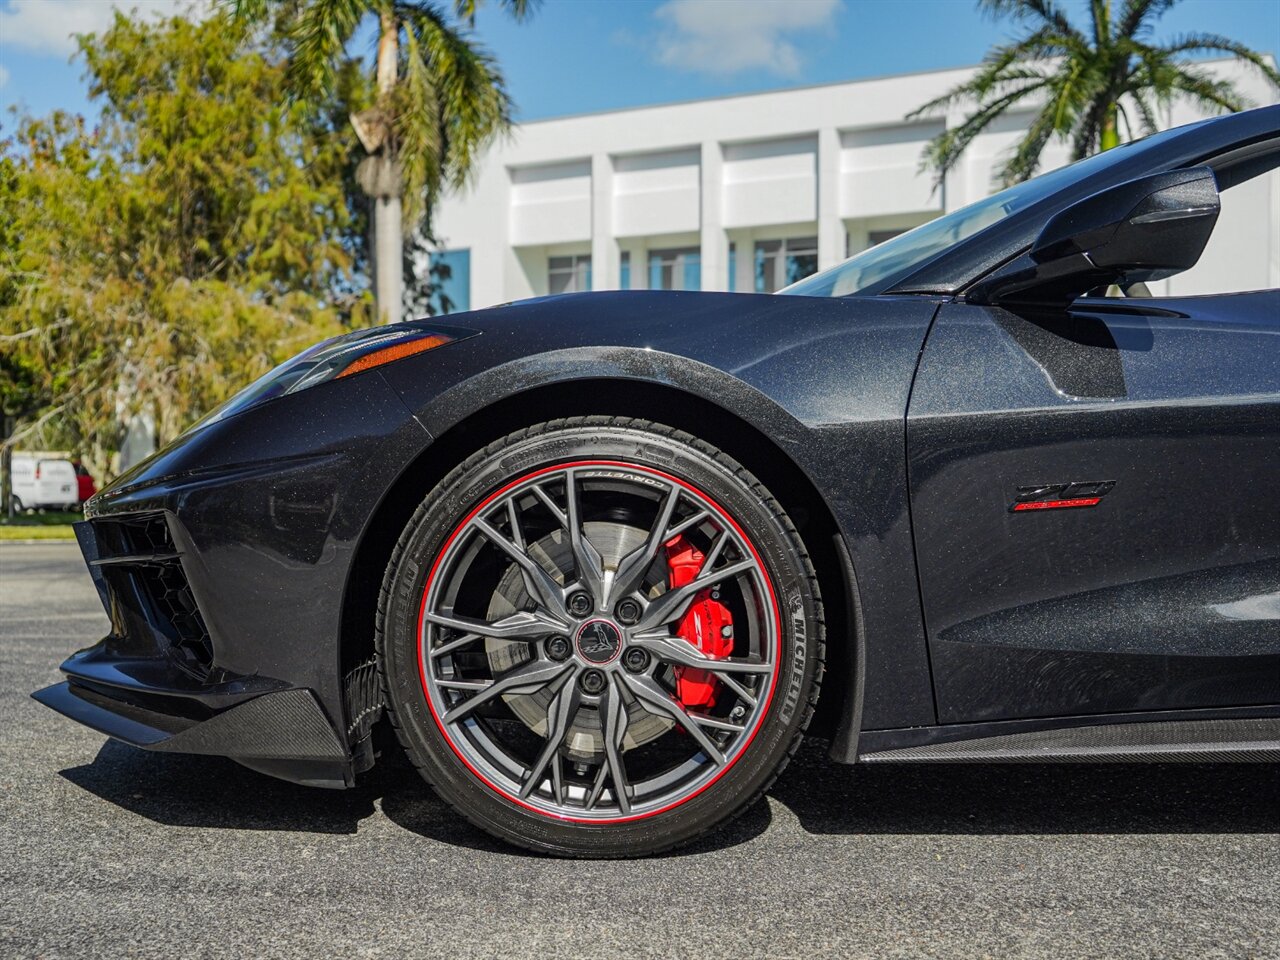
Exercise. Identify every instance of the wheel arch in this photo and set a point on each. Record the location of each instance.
(839, 701)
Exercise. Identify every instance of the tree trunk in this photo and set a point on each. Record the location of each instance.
(388, 258)
(1110, 136)
(6, 467)
(388, 231)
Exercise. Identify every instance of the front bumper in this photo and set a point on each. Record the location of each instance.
(153, 681)
(224, 565)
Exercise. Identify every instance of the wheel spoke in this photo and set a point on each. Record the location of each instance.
(550, 504)
(655, 699)
(688, 522)
(513, 518)
(613, 728)
(672, 604)
(463, 684)
(527, 678)
(452, 645)
(715, 723)
(717, 548)
(588, 564)
(519, 626)
(632, 568)
(561, 710)
(557, 778)
(597, 787)
(538, 588)
(728, 680)
(542, 588)
(680, 651)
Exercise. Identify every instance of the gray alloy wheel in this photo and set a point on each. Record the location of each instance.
(598, 642)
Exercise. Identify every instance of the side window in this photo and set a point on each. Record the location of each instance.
(1243, 253)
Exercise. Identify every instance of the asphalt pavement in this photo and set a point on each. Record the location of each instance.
(110, 851)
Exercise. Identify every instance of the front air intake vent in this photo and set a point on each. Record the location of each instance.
(141, 549)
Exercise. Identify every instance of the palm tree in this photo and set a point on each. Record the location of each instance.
(440, 100)
(1085, 83)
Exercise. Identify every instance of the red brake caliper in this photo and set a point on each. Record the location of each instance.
(707, 624)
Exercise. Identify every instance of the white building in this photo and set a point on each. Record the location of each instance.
(744, 193)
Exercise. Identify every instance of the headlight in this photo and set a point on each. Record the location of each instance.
(334, 359)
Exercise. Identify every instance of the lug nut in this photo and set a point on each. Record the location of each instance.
(592, 681)
(628, 611)
(580, 604)
(635, 659)
(558, 648)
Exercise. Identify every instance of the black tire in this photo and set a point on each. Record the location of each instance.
(780, 553)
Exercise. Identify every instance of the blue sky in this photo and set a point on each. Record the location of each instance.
(584, 55)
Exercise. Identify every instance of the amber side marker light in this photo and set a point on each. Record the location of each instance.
(397, 351)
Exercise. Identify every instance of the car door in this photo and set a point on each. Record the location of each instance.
(1093, 498)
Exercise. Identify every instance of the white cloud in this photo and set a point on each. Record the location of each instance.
(48, 26)
(724, 37)
(4, 75)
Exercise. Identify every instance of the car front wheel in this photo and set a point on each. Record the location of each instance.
(600, 637)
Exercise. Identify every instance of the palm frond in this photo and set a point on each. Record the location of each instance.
(1146, 113)
(1045, 11)
(1088, 130)
(1002, 66)
(1123, 123)
(1080, 94)
(1025, 161)
(1136, 16)
(518, 10)
(1100, 15)
(251, 11)
(318, 36)
(472, 105)
(1150, 69)
(1216, 96)
(1091, 84)
(1216, 43)
(942, 152)
(421, 147)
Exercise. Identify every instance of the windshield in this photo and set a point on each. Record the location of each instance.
(878, 268)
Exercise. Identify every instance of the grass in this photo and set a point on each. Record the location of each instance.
(51, 525)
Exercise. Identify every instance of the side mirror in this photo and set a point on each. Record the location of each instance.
(1146, 229)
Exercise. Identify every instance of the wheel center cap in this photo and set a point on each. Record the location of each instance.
(599, 641)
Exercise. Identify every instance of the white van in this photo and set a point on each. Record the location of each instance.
(48, 482)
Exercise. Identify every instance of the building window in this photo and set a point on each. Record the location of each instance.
(624, 271)
(675, 269)
(733, 267)
(450, 277)
(569, 274)
(780, 263)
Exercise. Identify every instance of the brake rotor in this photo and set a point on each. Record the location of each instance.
(583, 741)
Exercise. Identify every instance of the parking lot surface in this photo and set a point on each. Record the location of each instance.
(110, 851)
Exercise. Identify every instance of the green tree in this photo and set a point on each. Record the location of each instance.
(440, 100)
(197, 236)
(1086, 82)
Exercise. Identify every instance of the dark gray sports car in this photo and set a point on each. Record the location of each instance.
(595, 555)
